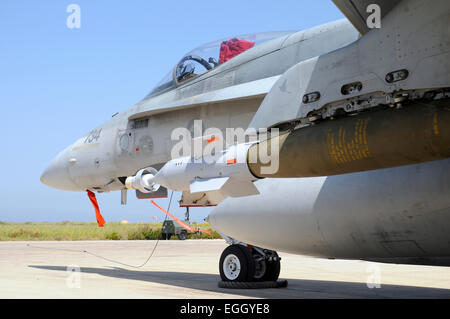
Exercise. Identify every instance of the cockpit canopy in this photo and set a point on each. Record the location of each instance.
(210, 56)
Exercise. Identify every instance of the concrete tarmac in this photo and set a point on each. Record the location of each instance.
(189, 270)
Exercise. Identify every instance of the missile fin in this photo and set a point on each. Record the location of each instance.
(200, 185)
(239, 188)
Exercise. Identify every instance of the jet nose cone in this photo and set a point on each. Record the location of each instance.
(50, 176)
(56, 175)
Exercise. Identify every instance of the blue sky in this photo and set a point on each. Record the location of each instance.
(56, 83)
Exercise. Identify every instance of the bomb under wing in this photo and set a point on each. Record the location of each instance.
(372, 140)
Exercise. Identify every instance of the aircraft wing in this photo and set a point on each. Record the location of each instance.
(356, 11)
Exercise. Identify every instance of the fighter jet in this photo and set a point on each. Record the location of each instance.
(346, 140)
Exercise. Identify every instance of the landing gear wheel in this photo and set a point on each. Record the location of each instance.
(272, 270)
(237, 264)
(260, 267)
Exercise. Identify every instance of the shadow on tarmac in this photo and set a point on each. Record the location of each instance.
(297, 288)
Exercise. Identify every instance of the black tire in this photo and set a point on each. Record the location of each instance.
(246, 270)
(182, 235)
(272, 271)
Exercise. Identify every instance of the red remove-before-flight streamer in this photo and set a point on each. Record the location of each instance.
(100, 220)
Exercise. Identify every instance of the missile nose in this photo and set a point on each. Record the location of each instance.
(56, 175)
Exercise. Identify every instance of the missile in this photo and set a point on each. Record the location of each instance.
(227, 172)
(414, 134)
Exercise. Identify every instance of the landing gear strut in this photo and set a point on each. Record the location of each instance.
(240, 263)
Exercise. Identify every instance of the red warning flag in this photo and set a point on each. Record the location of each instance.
(185, 226)
(100, 220)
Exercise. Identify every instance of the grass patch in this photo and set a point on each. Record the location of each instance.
(70, 231)
(213, 235)
(145, 233)
(113, 236)
(22, 233)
